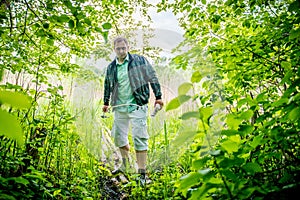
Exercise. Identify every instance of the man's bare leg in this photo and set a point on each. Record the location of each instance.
(141, 158)
(125, 155)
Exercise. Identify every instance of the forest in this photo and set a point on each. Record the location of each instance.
(230, 125)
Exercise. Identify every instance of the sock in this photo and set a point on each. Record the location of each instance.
(142, 172)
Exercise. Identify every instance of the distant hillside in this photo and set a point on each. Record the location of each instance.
(164, 39)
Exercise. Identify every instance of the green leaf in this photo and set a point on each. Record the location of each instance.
(105, 36)
(242, 102)
(245, 101)
(294, 34)
(235, 138)
(205, 113)
(56, 192)
(199, 164)
(256, 141)
(71, 24)
(295, 6)
(6, 196)
(246, 115)
(79, 27)
(192, 114)
(215, 153)
(227, 163)
(286, 178)
(230, 146)
(10, 127)
(184, 136)
(49, 6)
(106, 26)
(98, 29)
(287, 77)
(50, 42)
(15, 99)
(88, 21)
(229, 132)
(196, 77)
(46, 25)
(295, 98)
(68, 3)
(41, 33)
(228, 173)
(261, 97)
(63, 18)
(176, 102)
(233, 122)
(204, 171)
(281, 102)
(252, 168)
(286, 65)
(200, 192)
(184, 88)
(20, 180)
(294, 115)
(246, 129)
(189, 180)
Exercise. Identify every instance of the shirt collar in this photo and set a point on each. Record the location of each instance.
(126, 59)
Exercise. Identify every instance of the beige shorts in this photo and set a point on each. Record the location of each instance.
(138, 121)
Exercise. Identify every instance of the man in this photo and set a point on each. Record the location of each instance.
(126, 89)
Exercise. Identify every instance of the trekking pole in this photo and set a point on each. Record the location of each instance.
(120, 105)
(156, 109)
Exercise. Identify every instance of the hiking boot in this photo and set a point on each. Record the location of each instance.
(143, 178)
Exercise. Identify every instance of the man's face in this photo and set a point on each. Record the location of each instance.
(121, 49)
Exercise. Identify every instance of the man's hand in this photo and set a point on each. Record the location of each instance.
(160, 102)
(105, 108)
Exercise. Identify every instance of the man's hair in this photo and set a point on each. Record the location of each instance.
(120, 39)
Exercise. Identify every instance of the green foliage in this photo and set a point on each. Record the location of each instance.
(240, 140)
(183, 89)
(177, 102)
(39, 41)
(9, 124)
(10, 127)
(15, 99)
(54, 163)
(248, 78)
(26, 186)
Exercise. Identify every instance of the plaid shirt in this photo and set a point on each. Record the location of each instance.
(140, 74)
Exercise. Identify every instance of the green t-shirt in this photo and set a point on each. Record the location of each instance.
(125, 95)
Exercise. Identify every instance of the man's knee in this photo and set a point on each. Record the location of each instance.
(126, 147)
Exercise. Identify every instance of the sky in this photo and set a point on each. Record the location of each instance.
(164, 20)
(168, 33)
